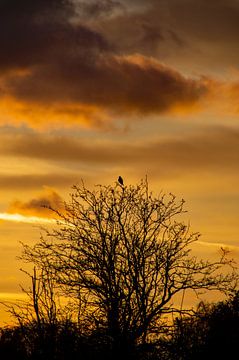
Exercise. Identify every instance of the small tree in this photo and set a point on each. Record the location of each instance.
(120, 251)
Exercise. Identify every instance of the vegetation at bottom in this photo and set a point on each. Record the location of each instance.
(106, 280)
(212, 332)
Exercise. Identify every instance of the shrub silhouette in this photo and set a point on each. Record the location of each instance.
(212, 333)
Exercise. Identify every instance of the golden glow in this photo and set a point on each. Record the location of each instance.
(25, 219)
(217, 245)
(40, 116)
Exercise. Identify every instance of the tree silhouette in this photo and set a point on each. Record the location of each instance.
(123, 255)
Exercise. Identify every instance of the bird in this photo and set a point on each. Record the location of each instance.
(120, 181)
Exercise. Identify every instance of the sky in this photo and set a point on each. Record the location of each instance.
(96, 89)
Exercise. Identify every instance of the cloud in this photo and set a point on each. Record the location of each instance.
(210, 150)
(140, 28)
(84, 62)
(27, 181)
(41, 116)
(214, 21)
(93, 9)
(37, 31)
(39, 206)
(193, 35)
(130, 85)
(25, 38)
(54, 61)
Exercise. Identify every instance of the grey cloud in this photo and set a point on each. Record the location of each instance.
(33, 32)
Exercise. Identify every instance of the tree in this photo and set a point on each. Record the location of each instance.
(122, 253)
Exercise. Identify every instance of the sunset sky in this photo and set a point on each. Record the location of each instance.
(95, 89)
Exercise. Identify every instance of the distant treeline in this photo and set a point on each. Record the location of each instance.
(211, 333)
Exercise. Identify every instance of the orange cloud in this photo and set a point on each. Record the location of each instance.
(40, 206)
(40, 116)
(129, 85)
(133, 85)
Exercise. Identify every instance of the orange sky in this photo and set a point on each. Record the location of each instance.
(95, 89)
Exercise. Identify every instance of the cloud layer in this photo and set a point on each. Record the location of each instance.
(89, 62)
(27, 182)
(54, 60)
(214, 149)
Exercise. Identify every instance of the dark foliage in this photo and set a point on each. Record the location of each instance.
(58, 342)
(212, 333)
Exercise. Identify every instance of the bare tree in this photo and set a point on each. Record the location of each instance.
(42, 305)
(122, 253)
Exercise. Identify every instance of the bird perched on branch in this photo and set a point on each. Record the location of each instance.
(120, 181)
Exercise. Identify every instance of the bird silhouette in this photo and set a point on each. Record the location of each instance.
(120, 180)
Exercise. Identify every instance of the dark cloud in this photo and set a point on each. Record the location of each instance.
(39, 206)
(56, 55)
(35, 32)
(215, 20)
(131, 85)
(211, 21)
(66, 61)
